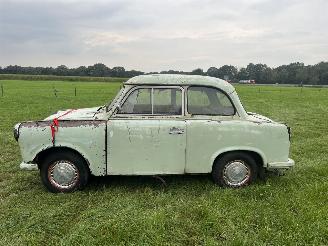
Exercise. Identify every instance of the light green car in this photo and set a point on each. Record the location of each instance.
(156, 125)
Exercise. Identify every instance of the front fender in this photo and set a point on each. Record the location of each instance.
(85, 137)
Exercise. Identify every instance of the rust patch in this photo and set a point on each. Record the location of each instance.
(64, 123)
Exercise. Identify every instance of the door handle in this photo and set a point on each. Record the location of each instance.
(176, 130)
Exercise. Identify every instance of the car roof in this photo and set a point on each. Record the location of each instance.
(180, 79)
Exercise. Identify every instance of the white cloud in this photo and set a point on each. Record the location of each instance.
(157, 35)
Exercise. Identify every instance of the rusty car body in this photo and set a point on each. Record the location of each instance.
(156, 125)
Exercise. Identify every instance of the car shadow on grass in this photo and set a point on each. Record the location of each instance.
(194, 183)
(155, 182)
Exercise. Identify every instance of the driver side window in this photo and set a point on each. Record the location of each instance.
(153, 101)
(138, 102)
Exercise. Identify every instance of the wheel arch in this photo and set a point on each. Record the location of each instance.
(38, 159)
(257, 155)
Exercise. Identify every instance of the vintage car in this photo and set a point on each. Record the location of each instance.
(156, 125)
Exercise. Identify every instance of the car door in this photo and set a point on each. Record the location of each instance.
(210, 126)
(148, 134)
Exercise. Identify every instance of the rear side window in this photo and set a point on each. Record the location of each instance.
(153, 101)
(208, 101)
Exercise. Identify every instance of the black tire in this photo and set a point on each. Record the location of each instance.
(77, 167)
(243, 160)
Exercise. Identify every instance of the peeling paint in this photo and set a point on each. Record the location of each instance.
(63, 123)
(86, 137)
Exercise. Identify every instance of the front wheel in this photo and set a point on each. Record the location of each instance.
(64, 171)
(235, 169)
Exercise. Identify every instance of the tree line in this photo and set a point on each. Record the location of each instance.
(294, 73)
(96, 70)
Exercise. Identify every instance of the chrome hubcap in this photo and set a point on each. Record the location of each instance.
(63, 174)
(236, 173)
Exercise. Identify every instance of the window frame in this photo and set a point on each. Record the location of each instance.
(152, 87)
(211, 87)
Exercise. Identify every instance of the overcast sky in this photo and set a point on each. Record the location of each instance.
(161, 35)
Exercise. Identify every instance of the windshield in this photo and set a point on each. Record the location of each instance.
(118, 95)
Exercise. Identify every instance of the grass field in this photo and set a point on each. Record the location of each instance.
(190, 210)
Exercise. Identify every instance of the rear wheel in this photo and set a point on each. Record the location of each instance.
(234, 169)
(64, 171)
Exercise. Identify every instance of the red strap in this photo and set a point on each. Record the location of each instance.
(55, 124)
(52, 133)
(67, 112)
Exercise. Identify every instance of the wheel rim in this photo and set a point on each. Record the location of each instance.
(236, 173)
(63, 174)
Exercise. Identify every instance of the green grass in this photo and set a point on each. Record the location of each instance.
(191, 210)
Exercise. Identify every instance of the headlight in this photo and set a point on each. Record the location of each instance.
(16, 131)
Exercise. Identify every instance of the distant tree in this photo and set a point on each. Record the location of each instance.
(98, 70)
(301, 75)
(321, 70)
(228, 70)
(61, 70)
(324, 78)
(80, 71)
(45, 71)
(117, 72)
(257, 72)
(132, 73)
(293, 69)
(172, 72)
(266, 76)
(242, 74)
(213, 72)
(197, 71)
(12, 69)
(281, 74)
